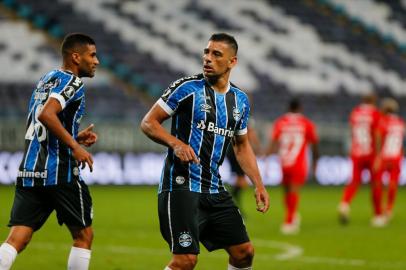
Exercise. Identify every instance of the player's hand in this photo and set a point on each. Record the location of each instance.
(87, 137)
(83, 157)
(185, 153)
(262, 199)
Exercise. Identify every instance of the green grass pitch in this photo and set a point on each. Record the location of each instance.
(127, 234)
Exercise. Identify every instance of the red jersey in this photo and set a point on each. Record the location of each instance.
(363, 120)
(294, 132)
(392, 130)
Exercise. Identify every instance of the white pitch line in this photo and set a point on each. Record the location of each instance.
(289, 253)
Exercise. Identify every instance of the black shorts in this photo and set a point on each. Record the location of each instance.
(187, 217)
(71, 201)
(235, 166)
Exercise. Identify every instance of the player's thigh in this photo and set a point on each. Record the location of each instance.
(73, 204)
(293, 178)
(358, 165)
(224, 224)
(178, 219)
(31, 207)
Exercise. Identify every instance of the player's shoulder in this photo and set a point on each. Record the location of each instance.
(240, 94)
(187, 81)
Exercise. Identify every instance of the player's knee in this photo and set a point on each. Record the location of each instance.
(83, 238)
(184, 262)
(243, 256)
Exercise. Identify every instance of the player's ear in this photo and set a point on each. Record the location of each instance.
(76, 58)
(233, 61)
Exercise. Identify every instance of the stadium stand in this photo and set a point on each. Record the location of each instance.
(327, 52)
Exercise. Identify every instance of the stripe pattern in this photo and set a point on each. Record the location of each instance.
(207, 121)
(46, 160)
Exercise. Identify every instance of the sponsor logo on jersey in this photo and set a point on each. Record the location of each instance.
(205, 108)
(211, 127)
(33, 174)
(41, 95)
(180, 180)
(185, 240)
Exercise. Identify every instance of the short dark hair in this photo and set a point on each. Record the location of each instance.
(230, 40)
(75, 39)
(295, 105)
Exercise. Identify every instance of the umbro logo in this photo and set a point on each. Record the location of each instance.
(205, 108)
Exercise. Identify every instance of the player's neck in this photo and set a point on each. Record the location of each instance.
(219, 84)
(69, 69)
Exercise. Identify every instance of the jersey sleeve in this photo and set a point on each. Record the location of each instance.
(174, 94)
(65, 87)
(242, 126)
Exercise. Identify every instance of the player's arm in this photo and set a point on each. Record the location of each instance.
(151, 125)
(49, 118)
(247, 160)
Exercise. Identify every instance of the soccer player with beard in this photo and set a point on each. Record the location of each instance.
(49, 177)
(208, 113)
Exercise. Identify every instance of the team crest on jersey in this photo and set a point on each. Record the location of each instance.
(236, 114)
(185, 240)
(205, 108)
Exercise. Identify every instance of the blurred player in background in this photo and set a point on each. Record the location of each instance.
(207, 114)
(240, 182)
(389, 144)
(291, 135)
(363, 123)
(49, 177)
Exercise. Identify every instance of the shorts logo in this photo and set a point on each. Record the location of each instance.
(185, 240)
(69, 91)
(180, 180)
(75, 171)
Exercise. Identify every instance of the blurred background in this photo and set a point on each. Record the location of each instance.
(326, 52)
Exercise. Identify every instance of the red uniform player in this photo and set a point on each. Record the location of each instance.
(389, 140)
(363, 121)
(291, 135)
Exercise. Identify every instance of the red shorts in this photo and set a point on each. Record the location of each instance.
(359, 165)
(297, 177)
(390, 166)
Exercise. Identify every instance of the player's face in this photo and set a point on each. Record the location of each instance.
(88, 61)
(218, 59)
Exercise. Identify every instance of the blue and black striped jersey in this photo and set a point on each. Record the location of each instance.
(47, 161)
(207, 121)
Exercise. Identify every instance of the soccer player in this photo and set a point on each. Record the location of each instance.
(49, 177)
(363, 122)
(389, 141)
(208, 112)
(291, 134)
